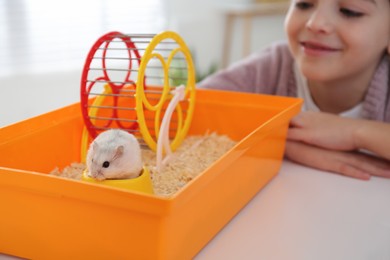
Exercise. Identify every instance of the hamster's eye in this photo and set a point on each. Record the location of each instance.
(106, 164)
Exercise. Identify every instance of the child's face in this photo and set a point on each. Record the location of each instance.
(338, 39)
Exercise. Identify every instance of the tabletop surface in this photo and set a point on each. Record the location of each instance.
(304, 214)
(308, 214)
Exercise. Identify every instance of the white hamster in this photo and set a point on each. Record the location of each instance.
(114, 154)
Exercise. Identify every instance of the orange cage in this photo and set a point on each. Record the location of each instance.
(49, 217)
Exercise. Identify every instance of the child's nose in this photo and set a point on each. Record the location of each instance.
(320, 21)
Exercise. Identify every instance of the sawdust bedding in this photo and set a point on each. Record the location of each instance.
(194, 155)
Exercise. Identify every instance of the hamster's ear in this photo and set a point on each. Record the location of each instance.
(119, 151)
(95, 146)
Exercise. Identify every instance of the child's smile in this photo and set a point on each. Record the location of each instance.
(338, 41)
(314, 48)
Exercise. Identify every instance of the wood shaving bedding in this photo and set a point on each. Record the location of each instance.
(194, 155)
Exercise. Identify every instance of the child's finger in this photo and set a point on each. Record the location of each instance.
(296, 134)
(351, 171)
(296, 121)
(360, 164)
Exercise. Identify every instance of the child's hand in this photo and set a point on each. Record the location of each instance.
(352, 164)
(324, 130)
(339, 133)
(331, 143)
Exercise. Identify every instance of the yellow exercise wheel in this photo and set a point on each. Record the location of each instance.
(172, 75)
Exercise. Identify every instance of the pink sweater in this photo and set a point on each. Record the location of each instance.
(271, 72)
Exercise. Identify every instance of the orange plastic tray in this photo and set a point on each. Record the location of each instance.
(48, 217)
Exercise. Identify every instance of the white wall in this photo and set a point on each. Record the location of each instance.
(199, 22)
(28, 95)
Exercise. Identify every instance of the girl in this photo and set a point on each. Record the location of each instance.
(336, 60)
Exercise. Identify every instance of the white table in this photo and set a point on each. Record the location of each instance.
(306, 214)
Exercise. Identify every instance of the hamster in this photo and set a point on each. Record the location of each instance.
(114, 154)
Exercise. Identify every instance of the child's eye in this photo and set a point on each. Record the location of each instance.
(350, 13)
(302, 5)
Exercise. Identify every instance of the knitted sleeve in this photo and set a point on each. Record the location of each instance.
(376, 105)
(268, 72)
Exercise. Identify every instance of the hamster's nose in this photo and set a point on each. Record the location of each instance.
(100, 176)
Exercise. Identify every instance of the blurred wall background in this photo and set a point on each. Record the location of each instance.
(43, 43)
